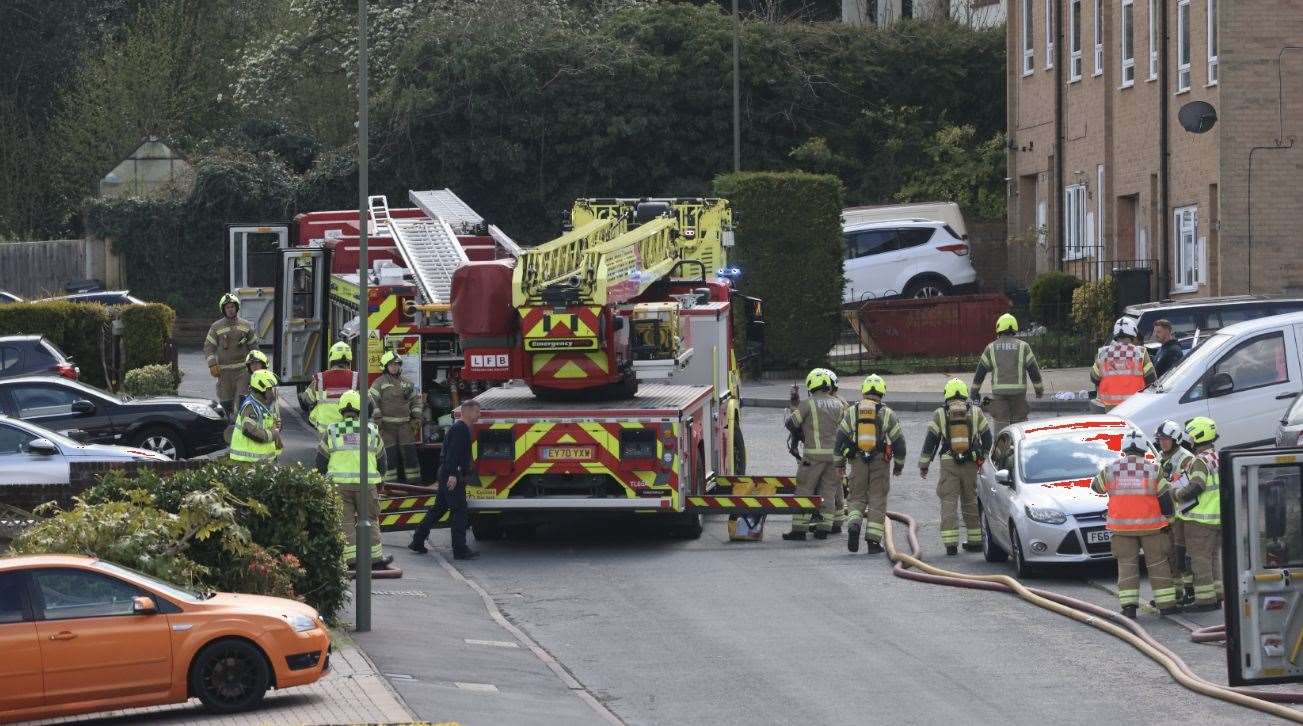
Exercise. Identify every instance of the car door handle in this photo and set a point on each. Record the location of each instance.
(63, 635)
(1284, 396)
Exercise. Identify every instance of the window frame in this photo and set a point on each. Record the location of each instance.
(34, 590)
(1210, 8)
(1099, 206)
(27, 611)
(1028, 38)
(1183, 50)
(1074, 41)
(1153, 40)
(1127, 22)
(1074, 237)
(20, 413)
(6, 428)
(1179, 257)
(1049, 33)
(1201, 385)
(1099, 39)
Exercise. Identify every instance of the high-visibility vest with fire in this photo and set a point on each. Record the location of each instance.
(1121, 372)
(244, 447)
(959, 430)
(1006, 358)
(344, 464)
(1208, 508)
(1132, 487)
(329, 385)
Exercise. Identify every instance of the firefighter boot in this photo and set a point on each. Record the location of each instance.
(1130, 611)
(794, 536)
(972, 546)
(821, 534)
(872, 546)
(853, 536)
(1187, 597)
(952, 550)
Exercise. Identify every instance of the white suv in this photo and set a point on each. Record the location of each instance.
(905, 257)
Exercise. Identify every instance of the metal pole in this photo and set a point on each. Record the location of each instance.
(362, 610)
(737, 107)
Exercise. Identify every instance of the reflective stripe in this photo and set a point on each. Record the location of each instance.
(1208, 508)
(244, 448)
(1007, 353)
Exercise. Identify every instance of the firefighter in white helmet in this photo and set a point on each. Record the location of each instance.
(1122, 368)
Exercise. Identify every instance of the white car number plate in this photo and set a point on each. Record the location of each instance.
(1099, 536)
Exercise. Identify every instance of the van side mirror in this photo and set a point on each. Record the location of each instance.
(1220, 385)
(1004, 477)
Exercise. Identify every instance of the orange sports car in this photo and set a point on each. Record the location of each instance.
(79, 634)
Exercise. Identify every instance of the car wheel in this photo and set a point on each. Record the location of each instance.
(160, 440)
(1020, 566)
(927, 286)
(230, 675)
(686, 526)
(991, 551)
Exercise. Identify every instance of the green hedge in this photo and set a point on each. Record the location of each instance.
(302, 520)
(789, 247)
(1092, 309)
(1051, 299)
(78, 329)
(154, 380)
(145, 332)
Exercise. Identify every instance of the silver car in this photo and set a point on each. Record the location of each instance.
(30, 454)
(1034, 492)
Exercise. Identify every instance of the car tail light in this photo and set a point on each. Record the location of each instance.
(959, 249)
(68, 370)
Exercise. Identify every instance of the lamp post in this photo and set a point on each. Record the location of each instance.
(737, 107)
(362, 537)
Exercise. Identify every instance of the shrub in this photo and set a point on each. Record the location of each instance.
(1051, 299)
(297, 514)
(155, 380)
(1092, 308)
(145, 332)
(789, 245)
(78, 329)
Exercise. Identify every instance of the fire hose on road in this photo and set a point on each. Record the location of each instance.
(910, 567)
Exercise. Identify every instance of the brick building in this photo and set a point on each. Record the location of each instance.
(1102, 175)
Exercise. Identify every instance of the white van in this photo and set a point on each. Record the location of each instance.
(1244, 377)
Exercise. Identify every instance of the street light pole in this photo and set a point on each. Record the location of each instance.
(737, 108)
(362, 538)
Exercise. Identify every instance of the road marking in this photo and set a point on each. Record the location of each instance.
(477, 687)
(399, 676)
(494, 643)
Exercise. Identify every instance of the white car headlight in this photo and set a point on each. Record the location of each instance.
(300, 623)
(203, 409)
(1045, 515)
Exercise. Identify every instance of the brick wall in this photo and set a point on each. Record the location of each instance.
(989, 241)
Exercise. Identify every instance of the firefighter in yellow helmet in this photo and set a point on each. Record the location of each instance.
(399, 409)
(254, 362)
(257, 434)
(1011, 363)
(839, 506)
(870, 438)
(344, 467)
(230, 340)
(322, 394)
(815, 421)
(962, 435)
(1199, 506)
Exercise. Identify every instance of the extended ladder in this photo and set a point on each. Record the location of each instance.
(428, 245)
(449, 207)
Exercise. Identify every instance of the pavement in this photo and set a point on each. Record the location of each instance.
(922, 391)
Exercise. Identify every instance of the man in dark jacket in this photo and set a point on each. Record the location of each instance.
(455, 469)
(1169, 351)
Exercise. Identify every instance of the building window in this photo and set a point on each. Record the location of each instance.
(1153, 40)
(906, 8)
(1074, 40)
(1049, 33)
(1099, 206)
(1183, 46)
(1028, 47)
(1188, 255)
(1099, 38)
(1074, 222)
(1128, 44)
(1212, 42)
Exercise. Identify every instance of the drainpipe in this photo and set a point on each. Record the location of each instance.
(1164, 155)
(1059, 137)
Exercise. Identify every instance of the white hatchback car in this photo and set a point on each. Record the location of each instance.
(1034, 492)
(905, 257)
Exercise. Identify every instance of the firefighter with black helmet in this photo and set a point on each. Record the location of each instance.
(960, 432)
(821, 470)
(870, 438)
(229, 341)
(1011, 363)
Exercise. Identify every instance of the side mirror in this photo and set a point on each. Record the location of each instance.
(1004, 477)
(1220, 385)
(143, 606)
(42, 447)
(83, 406)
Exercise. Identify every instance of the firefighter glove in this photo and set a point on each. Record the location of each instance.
(898, 468)
(215, 370)
(922, 471)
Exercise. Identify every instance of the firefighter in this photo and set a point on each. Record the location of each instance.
(1122, 368)
(1201, 511)
(821, 471)
(323, 395)
(344, 467)
(257, 434)
(839, 506)
(1011, 363)
(962, 435)
(254, 362)
(870, 438)
(399, 408)
(230, 340)
(1134, 485)
(1174, 461)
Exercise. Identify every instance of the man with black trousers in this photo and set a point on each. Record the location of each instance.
(455, 469)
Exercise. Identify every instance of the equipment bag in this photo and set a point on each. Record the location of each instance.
(743, 528)
(959, 430)
(867, 429)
